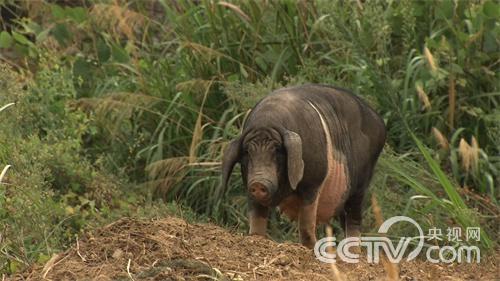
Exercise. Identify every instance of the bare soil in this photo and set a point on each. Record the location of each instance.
(172, 249)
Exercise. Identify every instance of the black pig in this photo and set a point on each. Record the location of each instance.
(310, 150)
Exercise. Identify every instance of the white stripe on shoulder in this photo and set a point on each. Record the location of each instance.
(325, 127)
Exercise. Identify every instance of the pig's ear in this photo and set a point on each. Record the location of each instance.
(293, 145)
(231, 156)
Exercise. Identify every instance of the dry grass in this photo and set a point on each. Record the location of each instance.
(6, 106)
(469, 153)
(236, 9)
(422, 96)
(440, 138)
(198, 127)
(114, 108)
(4, 171)
(171, 248)
(391, 269)
(166, 173)
(118, 18)
(156, 250)
(430, 59)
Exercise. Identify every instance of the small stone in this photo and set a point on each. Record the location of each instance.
(117, 254)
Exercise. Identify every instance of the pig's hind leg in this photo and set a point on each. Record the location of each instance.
(353, 208)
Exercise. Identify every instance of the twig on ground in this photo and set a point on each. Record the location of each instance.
(78, 250)
(128, 270)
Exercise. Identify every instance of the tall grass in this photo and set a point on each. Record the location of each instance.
(410, 59)
(7, 167)
(452, 203)
(166, 84)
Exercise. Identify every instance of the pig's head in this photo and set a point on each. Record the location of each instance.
(270, 158)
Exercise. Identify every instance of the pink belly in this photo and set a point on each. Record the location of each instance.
(334, 186)
(330, 196)
(332, 192)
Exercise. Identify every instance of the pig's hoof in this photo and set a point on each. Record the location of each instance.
(257, 234)
(355, 249)
(309, 243)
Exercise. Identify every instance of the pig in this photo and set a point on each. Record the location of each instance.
(309, 150)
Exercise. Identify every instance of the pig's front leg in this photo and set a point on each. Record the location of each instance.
(257, 217)
(307, 223)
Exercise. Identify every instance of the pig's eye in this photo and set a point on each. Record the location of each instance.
(280, 149)
(280, 155)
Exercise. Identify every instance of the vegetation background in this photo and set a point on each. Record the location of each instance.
(123, 107)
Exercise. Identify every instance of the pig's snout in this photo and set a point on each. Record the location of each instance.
(259, 190)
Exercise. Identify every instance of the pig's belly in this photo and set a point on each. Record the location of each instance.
(329, 199)
(334, 186)
(332, 192)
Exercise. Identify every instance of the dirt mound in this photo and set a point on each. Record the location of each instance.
(172, 249)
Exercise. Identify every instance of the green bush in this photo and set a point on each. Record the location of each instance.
(52, 191)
